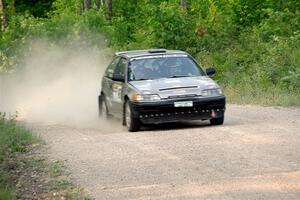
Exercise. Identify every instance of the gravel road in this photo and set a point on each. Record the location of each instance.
(254, 155)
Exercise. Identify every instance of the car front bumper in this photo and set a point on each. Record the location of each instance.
(165, 111)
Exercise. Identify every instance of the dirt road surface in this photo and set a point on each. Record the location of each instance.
(254, 155)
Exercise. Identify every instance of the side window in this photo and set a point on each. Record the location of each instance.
(110, 69)
(120, 69)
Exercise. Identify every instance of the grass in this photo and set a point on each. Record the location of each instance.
(5, 194)
(13, 139)
(24, 168)
(56, 169)
(268, 97)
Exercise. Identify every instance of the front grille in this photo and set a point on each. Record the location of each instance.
(165, 108)
(182, 96)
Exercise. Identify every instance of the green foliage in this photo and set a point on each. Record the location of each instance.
(279, 23)
(56, 169)
(253, 44)
(13, 139)
(255, 71)
(5, 194)
(37, 8)
(248, 12)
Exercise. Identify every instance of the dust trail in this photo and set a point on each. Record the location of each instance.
(56, 85)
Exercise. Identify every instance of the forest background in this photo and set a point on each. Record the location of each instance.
(253, 44)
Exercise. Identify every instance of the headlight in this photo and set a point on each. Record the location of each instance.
(145, 97)
(212, 92)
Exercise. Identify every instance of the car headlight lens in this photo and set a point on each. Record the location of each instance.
(212, 92)
(146, 97)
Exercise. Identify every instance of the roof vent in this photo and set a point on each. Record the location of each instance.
(157, 51)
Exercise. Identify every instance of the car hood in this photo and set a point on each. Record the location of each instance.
(174, 87)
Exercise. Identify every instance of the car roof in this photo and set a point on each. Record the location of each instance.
(149, 52)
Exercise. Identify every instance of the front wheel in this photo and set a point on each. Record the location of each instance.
(132, 123)
(217, 121)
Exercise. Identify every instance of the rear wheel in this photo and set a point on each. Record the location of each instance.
(217, 121)
(103, 112)
(132, 123)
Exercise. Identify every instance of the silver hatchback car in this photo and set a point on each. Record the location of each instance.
(159, 86)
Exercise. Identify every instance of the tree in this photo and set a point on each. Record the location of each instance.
(108, 8)
(82, 6)
(184, 4)
(97, 4)
(88, 4)
(1, 13)
(3, 18)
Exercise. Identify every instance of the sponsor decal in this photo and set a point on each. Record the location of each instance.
(160, 56)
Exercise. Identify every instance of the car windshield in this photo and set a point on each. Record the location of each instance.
(164, 66)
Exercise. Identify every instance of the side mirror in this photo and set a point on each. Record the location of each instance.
(118, 77)
(210, 71)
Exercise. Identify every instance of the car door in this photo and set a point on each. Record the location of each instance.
(107, 83)
(118, 84)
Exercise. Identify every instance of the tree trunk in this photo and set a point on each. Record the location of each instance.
(12, 7)
(108, 8)
(82, 6)
(88, 4)
(1, 81)
(97, 5)
(184, 4)
(1, 14)
(3, 18)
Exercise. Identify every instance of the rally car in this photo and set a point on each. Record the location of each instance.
(159, 86)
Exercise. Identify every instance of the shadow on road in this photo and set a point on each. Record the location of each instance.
(117, 124)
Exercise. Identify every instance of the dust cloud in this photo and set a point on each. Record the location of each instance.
(56, 85)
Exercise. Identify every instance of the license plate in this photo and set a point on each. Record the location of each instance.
(183, 104)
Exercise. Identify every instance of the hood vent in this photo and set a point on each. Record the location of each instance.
(177, 88)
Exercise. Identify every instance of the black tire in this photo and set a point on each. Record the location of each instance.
(217, 121)
(133, 124)
(103, 111)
